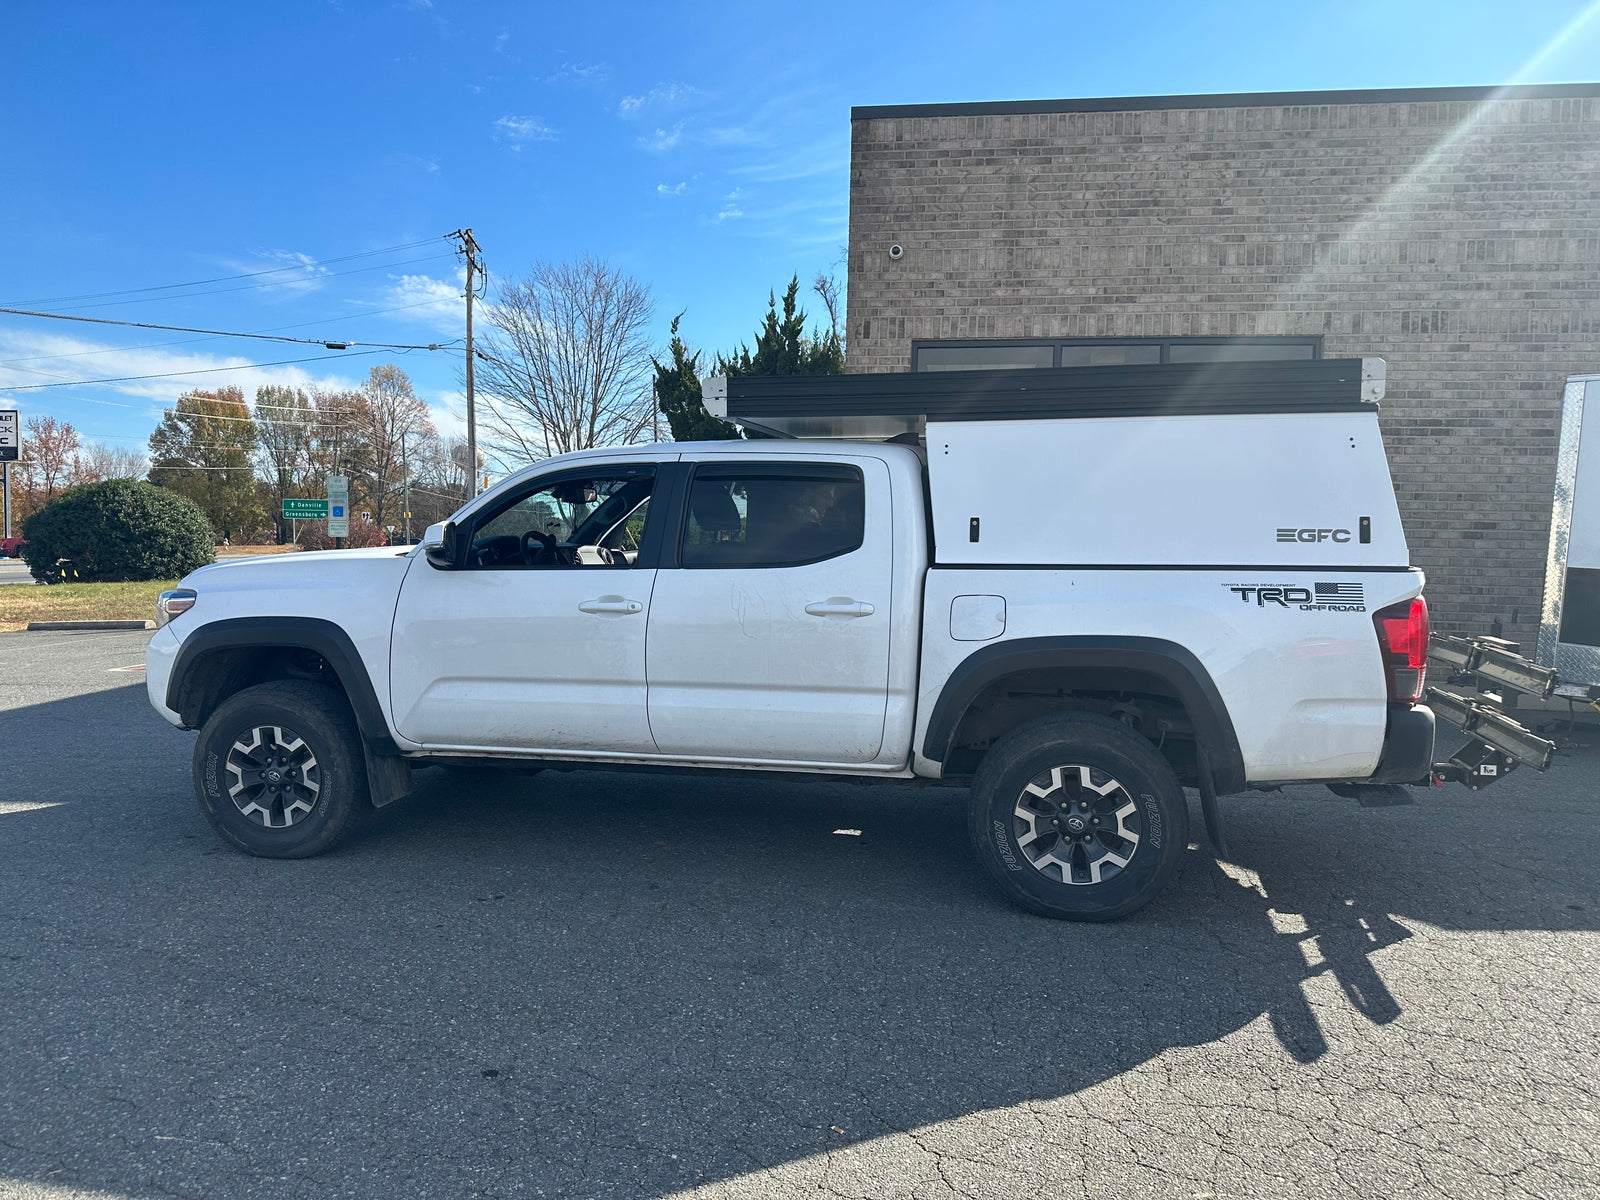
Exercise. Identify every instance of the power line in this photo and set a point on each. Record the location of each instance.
(28, 387)
(252, 286)
(300, 266)
(329, 343)
(376, 312)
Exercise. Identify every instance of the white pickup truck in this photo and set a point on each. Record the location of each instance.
(1075, 590)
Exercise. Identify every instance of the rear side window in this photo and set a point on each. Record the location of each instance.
(772, 515)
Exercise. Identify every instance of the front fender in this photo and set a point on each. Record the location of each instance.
(190, 687)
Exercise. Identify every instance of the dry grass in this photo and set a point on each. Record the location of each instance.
(21, 603)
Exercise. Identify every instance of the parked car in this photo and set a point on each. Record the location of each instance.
(1074, 590)
(11, 547)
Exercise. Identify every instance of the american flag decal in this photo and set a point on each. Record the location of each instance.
(1340, 593)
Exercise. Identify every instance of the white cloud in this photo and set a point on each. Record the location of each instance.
(571, 74)
(426, 300)
(676, 189)
(500, 41)
(657, 97)
(663, 139)
(730, 207)
(96, 360)
(291, 271)
(447, 411)
(517, 132)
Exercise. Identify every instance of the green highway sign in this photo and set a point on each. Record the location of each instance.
(304, 510)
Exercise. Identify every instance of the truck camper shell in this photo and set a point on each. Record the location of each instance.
(1236, 465)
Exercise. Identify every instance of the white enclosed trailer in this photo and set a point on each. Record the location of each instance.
(1569, 627)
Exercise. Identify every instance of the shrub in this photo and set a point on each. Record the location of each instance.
(314, 535)
(117, 530)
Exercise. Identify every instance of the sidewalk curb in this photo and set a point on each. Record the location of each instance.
(41, 626)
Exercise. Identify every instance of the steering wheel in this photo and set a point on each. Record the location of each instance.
(546, 543)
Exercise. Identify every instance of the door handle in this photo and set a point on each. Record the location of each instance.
(610, 604)
(840, 606)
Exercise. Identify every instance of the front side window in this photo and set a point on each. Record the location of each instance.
(783, 516)
(588, 521)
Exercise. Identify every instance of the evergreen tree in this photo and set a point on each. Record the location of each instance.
(678, 395)
(204, 449)
(782, 347)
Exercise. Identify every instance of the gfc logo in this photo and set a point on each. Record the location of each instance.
(1314, 535)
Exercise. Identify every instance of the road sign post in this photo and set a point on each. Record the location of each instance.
(10, 452)
(338, 506)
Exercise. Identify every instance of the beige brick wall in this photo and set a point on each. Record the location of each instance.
(1460, 241)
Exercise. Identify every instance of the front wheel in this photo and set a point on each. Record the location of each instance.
(279, 770)
(1079, 818)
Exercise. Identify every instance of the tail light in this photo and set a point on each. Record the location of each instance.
(1403, 641)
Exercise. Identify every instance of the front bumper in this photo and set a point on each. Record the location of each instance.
(1407, 746)
(159, 655)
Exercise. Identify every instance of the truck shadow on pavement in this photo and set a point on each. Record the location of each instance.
(597, 984)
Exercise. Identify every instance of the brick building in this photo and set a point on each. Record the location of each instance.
(1454, 232)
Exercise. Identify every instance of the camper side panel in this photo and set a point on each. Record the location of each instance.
(1271, 489)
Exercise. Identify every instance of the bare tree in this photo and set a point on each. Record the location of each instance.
(52, 448)
(826, 285)
(100, 461)
(286, 424)
(393, 424)
(565, 364)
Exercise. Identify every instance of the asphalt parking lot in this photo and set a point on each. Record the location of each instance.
(649, 985)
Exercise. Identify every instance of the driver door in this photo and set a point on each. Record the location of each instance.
(537, 641)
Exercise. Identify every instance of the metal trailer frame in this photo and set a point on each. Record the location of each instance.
(1577, 663)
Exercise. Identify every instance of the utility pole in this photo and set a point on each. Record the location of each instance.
(472, 251)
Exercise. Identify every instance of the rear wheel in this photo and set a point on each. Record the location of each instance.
(279, 770)
(1078, 817)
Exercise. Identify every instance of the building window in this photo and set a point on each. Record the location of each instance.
(974, 357)
(991, 353)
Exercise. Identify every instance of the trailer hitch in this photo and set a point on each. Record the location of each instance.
(1499, 743)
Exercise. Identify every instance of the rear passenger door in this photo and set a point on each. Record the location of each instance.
(768, 635)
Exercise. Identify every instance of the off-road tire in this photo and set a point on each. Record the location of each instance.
(1051, 754)
(320, 721)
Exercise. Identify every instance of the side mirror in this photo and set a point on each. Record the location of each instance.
(440, 546)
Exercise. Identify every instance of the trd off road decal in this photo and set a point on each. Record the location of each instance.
(1320, 597)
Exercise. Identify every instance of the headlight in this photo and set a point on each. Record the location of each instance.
(170, 604)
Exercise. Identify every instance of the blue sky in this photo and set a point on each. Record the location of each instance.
(704, 149)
